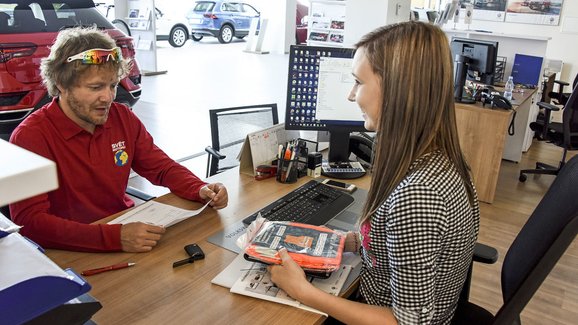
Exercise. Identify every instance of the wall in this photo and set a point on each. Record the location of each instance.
(562, 46)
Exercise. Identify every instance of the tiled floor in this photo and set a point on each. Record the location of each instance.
(201, 76)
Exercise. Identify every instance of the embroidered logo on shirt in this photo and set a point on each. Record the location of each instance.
(120, 156)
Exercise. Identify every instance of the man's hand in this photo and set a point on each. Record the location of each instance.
(137, 237)
(215, 192)
(289, 276)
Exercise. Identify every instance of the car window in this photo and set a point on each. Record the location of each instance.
(250, 11)
(204, 6)
(51, 15)
(232, 7)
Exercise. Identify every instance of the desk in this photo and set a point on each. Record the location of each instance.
(152, 292)
(483, 136)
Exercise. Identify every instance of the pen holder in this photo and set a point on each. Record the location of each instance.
(287, 170)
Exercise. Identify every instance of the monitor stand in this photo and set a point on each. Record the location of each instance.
(338, 164)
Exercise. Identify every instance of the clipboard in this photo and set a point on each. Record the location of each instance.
(262, 147)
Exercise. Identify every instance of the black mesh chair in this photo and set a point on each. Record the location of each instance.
(4, 17)
(535, 251)
(229, 127)
(560, 97)
(25, 21)
(563, 134)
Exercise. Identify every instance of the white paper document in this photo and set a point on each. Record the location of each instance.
(156, 213)
(252, 279)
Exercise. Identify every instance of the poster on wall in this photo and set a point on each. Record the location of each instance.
(534, 12)
(494, 10)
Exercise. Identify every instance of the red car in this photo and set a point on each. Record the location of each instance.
(27, 30)
(301, 23)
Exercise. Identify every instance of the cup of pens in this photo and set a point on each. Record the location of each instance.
(287, 170)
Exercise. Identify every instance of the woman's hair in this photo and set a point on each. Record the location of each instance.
(56, 71)
(413, 62)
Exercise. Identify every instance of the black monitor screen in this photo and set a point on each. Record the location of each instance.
(482, 55)
(318, 84)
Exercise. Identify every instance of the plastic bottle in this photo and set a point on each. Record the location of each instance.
(509, 88)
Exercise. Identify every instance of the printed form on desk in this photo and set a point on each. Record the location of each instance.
(156, 213)
(252, 279)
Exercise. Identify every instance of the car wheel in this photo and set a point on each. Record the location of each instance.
(196, 38)
(122, 26)
(226, 34)
(178, 36)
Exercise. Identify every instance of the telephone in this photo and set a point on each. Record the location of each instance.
(496, 101)
(361, 145)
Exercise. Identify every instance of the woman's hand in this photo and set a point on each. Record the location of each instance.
(289, 276)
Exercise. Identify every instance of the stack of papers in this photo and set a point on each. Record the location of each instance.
(156, 213)
(252, 279)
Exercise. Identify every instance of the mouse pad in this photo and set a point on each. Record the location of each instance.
(345, 221)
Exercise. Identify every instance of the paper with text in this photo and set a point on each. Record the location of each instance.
(256, 282)
(156, 213)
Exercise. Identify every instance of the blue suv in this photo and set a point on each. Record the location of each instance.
(221, 19)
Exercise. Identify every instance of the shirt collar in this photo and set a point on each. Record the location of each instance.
(66, 127)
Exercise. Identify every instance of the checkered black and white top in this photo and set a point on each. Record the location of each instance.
(419, 244)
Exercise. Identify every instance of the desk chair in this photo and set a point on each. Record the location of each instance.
(4, 17)
(544, 238)
(136, 193)
(563, 134)
(560, 97)
(25, 21)
(229, 127)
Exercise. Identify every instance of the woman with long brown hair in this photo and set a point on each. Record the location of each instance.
(421, 217)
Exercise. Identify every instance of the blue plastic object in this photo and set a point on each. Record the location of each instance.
(526, 69)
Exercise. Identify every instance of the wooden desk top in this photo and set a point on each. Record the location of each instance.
(152, 292)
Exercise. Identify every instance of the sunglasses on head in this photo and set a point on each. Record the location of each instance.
(97, 56)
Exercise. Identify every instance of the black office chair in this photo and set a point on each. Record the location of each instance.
(563, 134)
(4, 17)
(229, 127)
(136, 193)
(25, 21)
(535, 251)
(560, 97)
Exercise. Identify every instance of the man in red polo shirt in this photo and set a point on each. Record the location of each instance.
(95, 143)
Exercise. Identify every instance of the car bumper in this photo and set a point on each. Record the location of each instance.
(205, 32)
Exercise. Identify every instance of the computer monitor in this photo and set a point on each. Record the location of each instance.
(318, 84)
(481, 55)
(526, 70)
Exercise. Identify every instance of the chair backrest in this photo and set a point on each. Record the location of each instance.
(25, 20)
(547, 87)
(230, 126)
(542, 241)
(4, 17)
(570, 120)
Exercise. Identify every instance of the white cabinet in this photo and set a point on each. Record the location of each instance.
(344, 22)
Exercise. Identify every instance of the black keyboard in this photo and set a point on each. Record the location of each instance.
(312, 203)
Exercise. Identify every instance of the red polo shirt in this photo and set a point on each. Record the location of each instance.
(93, 172)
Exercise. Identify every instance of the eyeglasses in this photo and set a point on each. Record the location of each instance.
(97, 56)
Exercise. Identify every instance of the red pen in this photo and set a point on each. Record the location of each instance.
(107, 268)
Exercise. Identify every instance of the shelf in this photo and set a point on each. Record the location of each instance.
(493, 34)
